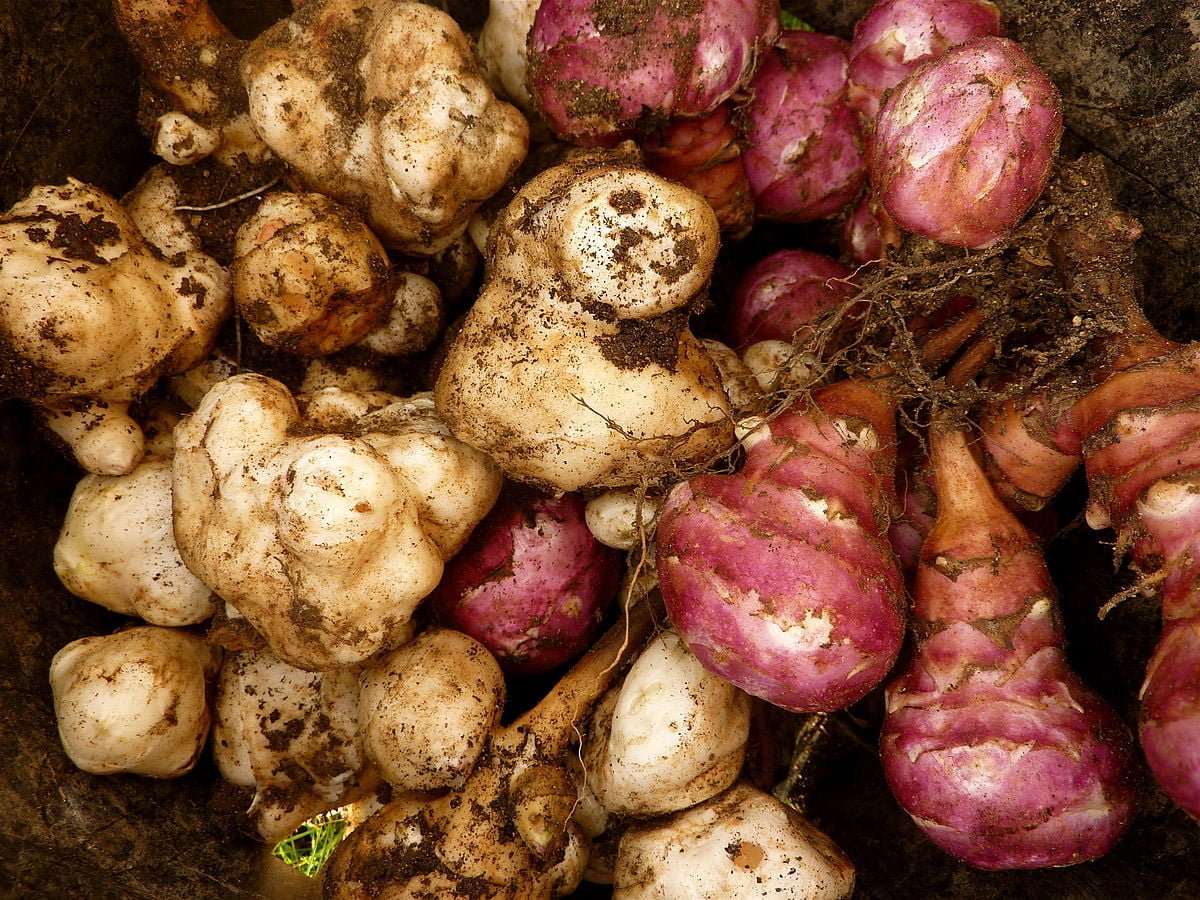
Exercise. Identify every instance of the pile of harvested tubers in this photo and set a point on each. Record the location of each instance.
(594, 449)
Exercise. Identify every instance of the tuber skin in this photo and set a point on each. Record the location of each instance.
(506, 834)
(189, 60)
(135, 701)
(803, 147)
(780, 577)
(670, 736)
(575, 367)
(308, 276)
(603, 71)
(868, 234)
(782, 295)
(117, 548)
(743, 844)
(92, 313)
(963, 147)
(406, 130)
(325, 527)
(895, 37)
(292, 737)
(532, 584)
(995, 747)
(425, 710)
(705, 155)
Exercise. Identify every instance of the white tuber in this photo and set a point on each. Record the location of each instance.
(502, 43)
(135, 701)
(403, 126)
(308, 275)
(290, 735)
(742, 385)
(426, 710)
(779, 366)
(671, 736)
(575, 366)
(622, 519)
(117, 548)
(413, 321)
(743, 844)
(324, 530)
(92, 314)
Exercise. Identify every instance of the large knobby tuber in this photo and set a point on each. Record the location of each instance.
(324, 527)
(380, 105)
(575, 366)
(94, 308)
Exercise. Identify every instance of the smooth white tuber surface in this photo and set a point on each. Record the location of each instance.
(117, 548)
(743, 844)
(671, 736)
(621, 519)
(290, 735)
(402, 126)
(91, 314)
(502, 43)
(575, 366)
(426, 710)
(413, 320)
(135, 701)
(324, 530)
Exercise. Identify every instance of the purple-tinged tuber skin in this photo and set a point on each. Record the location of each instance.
(780, 577)
(999, 752)
(532, 583)
(507, 833)
(895, 37)
(868, 233)
(782, 295)
(803, 149)
(705, 155)
(602, 70)
(743, 843)
(963, 146)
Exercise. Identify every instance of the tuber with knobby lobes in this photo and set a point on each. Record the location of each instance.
(995, 747)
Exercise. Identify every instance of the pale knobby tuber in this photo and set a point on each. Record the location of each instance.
(380, 105)
(92, 314)
(324, 528)
(135, 701)
(507, 832)
(743, 844)
(575, 366)
(426, 709)
(308, 276)
(117, 548)
(290, 735)
(671, 736)
(189, 60)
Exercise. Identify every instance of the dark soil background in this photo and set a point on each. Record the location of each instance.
(1130, 77)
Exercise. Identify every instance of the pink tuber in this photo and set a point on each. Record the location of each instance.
(602, 70)
(803, 150)
(999, 752)
(532, 584)
(963, 146)
(780, 578)
(896, 36)
(704, 155)
(780, 296)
